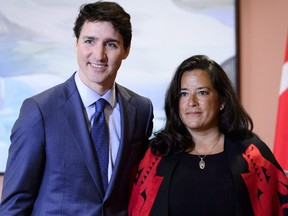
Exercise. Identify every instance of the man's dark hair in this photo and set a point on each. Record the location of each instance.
(108, 12)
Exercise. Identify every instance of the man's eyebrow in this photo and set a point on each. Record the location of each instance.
(89, 37)
(107, 40)
(112, 40)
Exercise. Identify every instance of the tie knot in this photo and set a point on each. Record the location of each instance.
(100, 105)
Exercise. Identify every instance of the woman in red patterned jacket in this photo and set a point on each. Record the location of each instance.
(206, 160)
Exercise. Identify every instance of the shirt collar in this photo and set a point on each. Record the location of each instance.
(89, 97)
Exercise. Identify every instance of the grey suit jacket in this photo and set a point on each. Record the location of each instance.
(51, 167)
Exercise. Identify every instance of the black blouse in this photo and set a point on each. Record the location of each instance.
(200, 192)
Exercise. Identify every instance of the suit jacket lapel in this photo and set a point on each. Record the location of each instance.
(127, 112)
(73, 112)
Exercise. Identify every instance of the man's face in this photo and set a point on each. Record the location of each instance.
(100, 52)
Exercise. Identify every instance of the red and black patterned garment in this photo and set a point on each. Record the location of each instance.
(244, 180)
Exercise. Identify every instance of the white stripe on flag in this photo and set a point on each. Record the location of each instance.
(284, 78)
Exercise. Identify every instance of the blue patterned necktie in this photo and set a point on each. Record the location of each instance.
(100, 137)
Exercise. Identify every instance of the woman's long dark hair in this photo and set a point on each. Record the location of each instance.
(234, 121)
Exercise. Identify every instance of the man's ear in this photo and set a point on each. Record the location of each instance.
(127, 51)
(76, 45)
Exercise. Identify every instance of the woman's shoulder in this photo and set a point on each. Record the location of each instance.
(255, 140)
(150, 158)
(255, 147)
(247, 140)
(249, 143)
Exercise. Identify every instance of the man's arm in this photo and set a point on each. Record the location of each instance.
(25, 163)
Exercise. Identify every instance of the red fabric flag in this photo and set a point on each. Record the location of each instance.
(281, 136)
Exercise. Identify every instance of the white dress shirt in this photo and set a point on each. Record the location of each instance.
(112, 116)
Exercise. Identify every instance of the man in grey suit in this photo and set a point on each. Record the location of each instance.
(53, 167)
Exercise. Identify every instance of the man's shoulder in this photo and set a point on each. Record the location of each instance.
(124, 90)
(58, 88)
(130, 94)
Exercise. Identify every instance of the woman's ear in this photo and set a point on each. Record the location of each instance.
(222, 106)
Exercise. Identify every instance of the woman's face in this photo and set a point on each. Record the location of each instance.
(199, 103)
